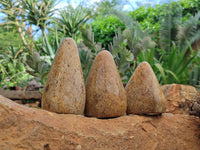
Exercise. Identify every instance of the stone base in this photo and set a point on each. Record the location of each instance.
(29, 128)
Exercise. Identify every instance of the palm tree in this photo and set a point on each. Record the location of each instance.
(72, 19)
(170, 20)
(14, 16)
(189, 31)
(176, 39)
(39, 12)
(173, 30)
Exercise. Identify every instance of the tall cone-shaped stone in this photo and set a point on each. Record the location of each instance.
(65, 90)
(105, 94)
(144, 94)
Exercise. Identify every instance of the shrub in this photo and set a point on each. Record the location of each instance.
(105, 29)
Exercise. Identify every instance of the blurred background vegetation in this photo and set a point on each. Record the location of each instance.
(165, 35)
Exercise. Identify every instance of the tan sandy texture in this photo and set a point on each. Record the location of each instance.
(105, 94)
(65, 90)
(181, 99)
(144, 95)
(23, 128)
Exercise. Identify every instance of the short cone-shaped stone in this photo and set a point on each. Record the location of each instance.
(144, 94)
(105, 94)
(65, 90)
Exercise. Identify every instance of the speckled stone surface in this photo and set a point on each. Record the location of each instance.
(144, 94)
(65, 90)
(105, 94)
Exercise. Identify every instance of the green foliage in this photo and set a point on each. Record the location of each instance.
(102, 9)
(194, 76)
(10, 8)
(122, 56)
(148, 56)
(189, 32)
(9, 37)
(38, 12)
(14, 17)
(174, 65)
(190, 7)
(137, 39)
(88, 50)
(88, 40)
(86, 61)
(37, 67)
(126, 46)
(104, 29)
(147, 17)
(72, 19)
(178, 31)
(170, 20)
(12, 68)
(174, 26)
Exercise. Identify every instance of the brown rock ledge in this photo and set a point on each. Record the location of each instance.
(182, 99)
(29, 128)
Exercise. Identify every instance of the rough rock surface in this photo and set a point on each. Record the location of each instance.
(21, 94)
(144, 95)
(29, 128)
(105, 94)
(182, 99)
(65, 90)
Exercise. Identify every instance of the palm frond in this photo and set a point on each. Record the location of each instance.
(189, 32)
(170, 21)
(72, 19)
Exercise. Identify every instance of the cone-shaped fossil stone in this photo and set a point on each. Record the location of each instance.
(105, 94)
(65, 90)
(144, 94)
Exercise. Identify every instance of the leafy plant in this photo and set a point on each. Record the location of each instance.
(105, 28)
(9, 36)
(72, 19)
(173, 66)
(189, 32)
(122, 56)
(12, 69)
(137, 38)
(14, 17)
(39, 12)
(88, 50)
(148, 17)
(37, 67)
(170, 20)
(194, 76)
(88, 40)
(86, 61)
(148, 56)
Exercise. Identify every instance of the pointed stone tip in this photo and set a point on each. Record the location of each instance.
(105, 94)
(144, 95)
(144, 63)
(68, 39)
(65, 90)
(104, 53)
